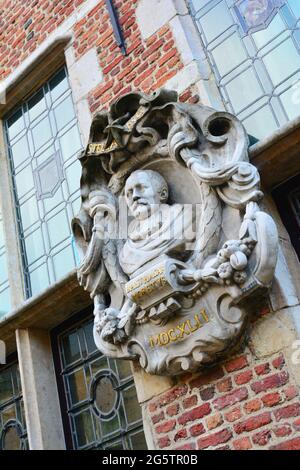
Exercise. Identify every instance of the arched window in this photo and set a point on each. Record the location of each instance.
(253, 47)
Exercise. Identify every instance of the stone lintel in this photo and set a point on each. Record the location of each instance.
(46, 310)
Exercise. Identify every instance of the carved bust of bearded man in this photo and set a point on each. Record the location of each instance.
(158, 228)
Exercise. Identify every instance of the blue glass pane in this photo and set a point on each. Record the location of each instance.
(295, 7)
(291, 101)
(39, 279)
(70, 143)
(3, 269)
(261, 123)
(63, 262)
(73, 175)
(58, 85)
(64, 113)
(58, 228)
(34, 246)
(20, 151)
(223, 56)
(216, 21)
(15, 124)
(197, 4)
(36, 105)
(24, 181)
(1, 232)
(244, 90)
(282, 61)
(29, 212)
(265, 35)
(5, 303)
(41, 133)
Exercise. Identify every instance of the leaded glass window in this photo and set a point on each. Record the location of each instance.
(5, 304)
(254, 49)
(101, 403)
(44, 141)
(13, 434)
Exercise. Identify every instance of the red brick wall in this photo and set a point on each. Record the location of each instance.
(241, 405)
(24, 25)
(148, 65)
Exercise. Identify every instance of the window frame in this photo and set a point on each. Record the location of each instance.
(71, 324)
(12, 360)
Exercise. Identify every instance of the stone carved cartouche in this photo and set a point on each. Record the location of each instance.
(173, 241)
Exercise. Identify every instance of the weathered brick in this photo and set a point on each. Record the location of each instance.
(291, 392)
(282, 431)
(296, 424)
(165, 427)
(207, 393)
(172, 395)
(253, 423)
(292, 444)
(233, 415)
(231, 398)
(252, 405)
(181, 434)
(262, 369)
(236, 364)
(278, 362)
(197, 429)
(159, 417)
(243, 377)
(214, 421)
(190, 446)
(164, 442)
(214, 439)
(288, 411)
(152, 407)
(243, 443)
(262, 438)
(190, 401)
(196, 413)
(207, 377)
(271, 399)
(224, 385)
(272, 381)
(173, 410)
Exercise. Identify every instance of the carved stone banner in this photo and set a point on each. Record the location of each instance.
(172, 280)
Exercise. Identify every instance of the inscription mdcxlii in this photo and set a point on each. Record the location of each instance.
(179, 331)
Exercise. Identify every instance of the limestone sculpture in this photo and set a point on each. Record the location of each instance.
(172, 239)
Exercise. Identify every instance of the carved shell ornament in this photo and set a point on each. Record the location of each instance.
(172, 239)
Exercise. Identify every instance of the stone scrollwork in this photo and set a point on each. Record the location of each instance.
(171, 279)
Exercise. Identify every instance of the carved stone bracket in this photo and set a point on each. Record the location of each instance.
(174, 292)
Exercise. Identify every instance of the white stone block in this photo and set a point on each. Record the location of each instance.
(85, 74)
(153, 14)
(186, 77)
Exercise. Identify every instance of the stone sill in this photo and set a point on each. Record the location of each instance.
(45, 310)
(277, 156)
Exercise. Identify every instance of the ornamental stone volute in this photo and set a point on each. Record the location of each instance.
(173, 242)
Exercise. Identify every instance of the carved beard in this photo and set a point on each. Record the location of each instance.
(142, 229)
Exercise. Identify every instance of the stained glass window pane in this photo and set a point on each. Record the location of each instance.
(254, 50)
(42, 135)
(12, 423)
(100, 394)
